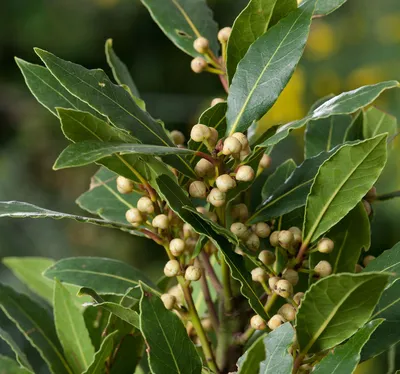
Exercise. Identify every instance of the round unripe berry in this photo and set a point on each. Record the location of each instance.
(242, 139)
(213, 139)
(367, 207)
(204, 168)
(124, 185)
(267, 257)
(160, 222)
(325, 245)
(245, 173)
(200, 132)
(284, 288)
(358, 268)
(193, 273)
(261, 229)
(259, 275)
(240, 230)
(168, 300)
(240, 212)
(198, 189)
(295, 230)
(177, 137)
(285, 239)
(272, 282)
(368, 259)
(297, 235)
(217, 100)
(216, 197)
(298, 297)
(275, 321)
(207, 324)
(265, 161)
(198, 64)
(133, 216)
(253, 242)
(201, 210)
(223, 34)
(201, 45)
(291, 275)
(274, 238)
(188, 230)
(257, 323)
(172, 268)
(145, 205)
(177, 292)
(244, 153)
(177, 246)
(323, 269)
(225, 183)
(212, 216)
(288, 312)
(231, 146)
(371, 194)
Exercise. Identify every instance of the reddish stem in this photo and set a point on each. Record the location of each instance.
(224, 82)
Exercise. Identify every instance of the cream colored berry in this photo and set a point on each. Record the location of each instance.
(288, 312)
(368, 259)
(265, 161)
(284, 288)
(190, 244)
(200, 132)
(124, 185)
(261, 229)
(177, 246)
(240, 212)
(201, 45)
(216, 197)
(242, 139)
(177, 292)
(323, 269)
(257, 323)
(193, 273)
(285, 239)
(259, 275)
(212, 216)
(225, 182)
(160, 222)
(240, 230)
(188, 231)
(172, 268)
(272, 282)
(295, 230)
(367, 207)
(244, 153)
(177, 137)
(267, 257)
(145, 205)
(291, 275)
(224, 34)
(245, 173)
(325, 245)
(204, 168)
(298, 297)
(198, 64)
(275, 321)
(201, 210)
(231, 146)
(253, 242)
(133, 216)
(207, 324)
(168, 300)
(274, 238)
(213, 139)
(217, 100)
(358, 268)
(198, 189)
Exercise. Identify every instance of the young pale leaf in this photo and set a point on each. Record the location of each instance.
(104, 275)
(278, 178)
(345, 358)
(9, 366)
(345, 103)
(324, 134)
(261, 76)
(378, 122)
(249, 362)
(71, 330)
(335, 307)
(341, 182)
(278, 360)
(47, 90)
(36, 325)
(19, 354)
(169, 347)
(183, 21)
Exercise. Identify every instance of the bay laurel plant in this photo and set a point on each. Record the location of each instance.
(282, 287)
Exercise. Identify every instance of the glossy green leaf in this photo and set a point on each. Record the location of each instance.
(183, 21)
(249, 362)
(19, 354)
(278, 178)
(36, 325)
(378, 122)
(261, 76)
(47, 90)
(71, 330)
(345, 103)
(339, 305)
(355, 130)
(95, 88)
(169, 347)
(9, 366)
(345, 358)
(341, 182)
(281, 10)
(104, 275)
(131, 346)
(324, 7)
(278, 360)
(324, 134)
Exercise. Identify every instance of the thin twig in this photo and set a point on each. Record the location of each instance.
(211, 273)
(207, 298)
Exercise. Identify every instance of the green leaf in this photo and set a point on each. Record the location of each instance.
(335, 307)
(9, 366)
(325, 134)
(278, 178)
(355, 130)
(19, 354)
(324, 7)
(345, 358)
(169, 347)
(36, 325)
(249, 362)
(98, 364)
(95, 88)
(260, 76)
(104, 275)
(281, 10)
(341, 182)
(183, 21)
(345, 103)
(47, 90)
(378, 122)
(277, 343)
(129, 354)
(71, 330)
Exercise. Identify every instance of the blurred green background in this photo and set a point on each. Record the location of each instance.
(358, 44)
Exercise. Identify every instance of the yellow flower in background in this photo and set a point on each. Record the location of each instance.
(388, 29)
(322, 42)
(324, 82)
(364, 75)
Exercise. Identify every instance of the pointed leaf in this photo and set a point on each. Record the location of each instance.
(19, 354)
(169, 347)
(9, 366)
(249, 362)
(36, 325)
(341, 183)
(324, 7)
(378, 122)
(345, 358)
(279, 177)
(260, 76)
(339, 305)
(183, 21)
